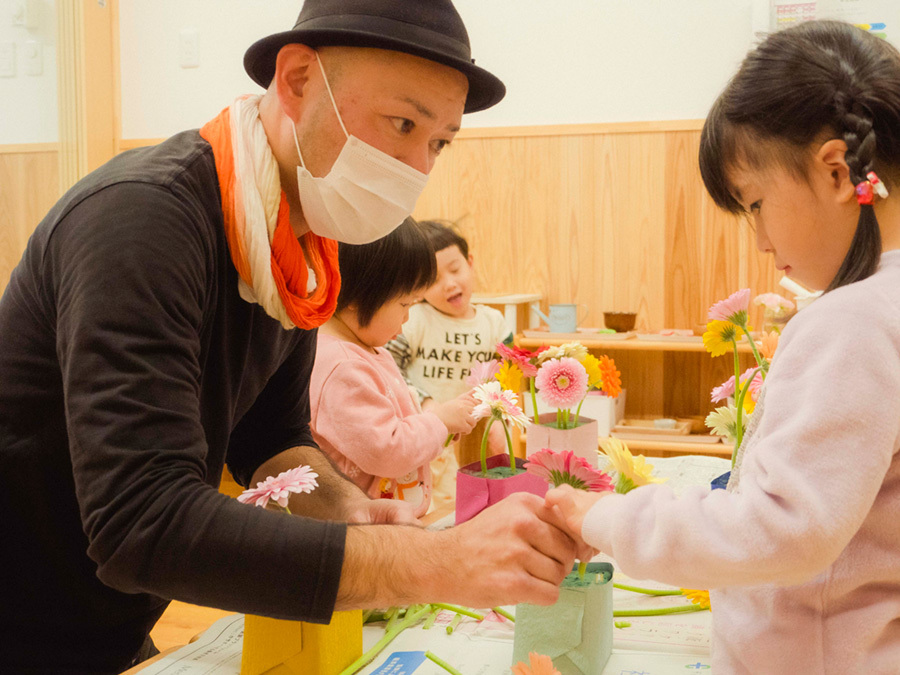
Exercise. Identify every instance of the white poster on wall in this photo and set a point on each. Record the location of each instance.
(880, 17)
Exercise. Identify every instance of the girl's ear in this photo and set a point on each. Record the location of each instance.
(471, 260)
(830, 163)
(292, 70)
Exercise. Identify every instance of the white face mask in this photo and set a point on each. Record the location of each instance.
(364, 197)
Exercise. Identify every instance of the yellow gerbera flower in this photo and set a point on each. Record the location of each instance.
(719, 337)
(592, 365)
(632, 471)
(696, 596)
(510, 377)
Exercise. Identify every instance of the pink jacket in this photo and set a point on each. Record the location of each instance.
(803, 550)
(364, 416)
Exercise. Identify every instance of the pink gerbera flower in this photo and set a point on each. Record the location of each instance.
(521, 357)
(564, 468)
(494, 401)
(733, 308)
(562, 382)
(483, 371)
(301, 479)
(723, 391)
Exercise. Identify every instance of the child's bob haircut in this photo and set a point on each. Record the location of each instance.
(372, 274)
(442, 234)
(803, 86)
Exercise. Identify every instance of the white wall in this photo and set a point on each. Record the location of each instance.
(28, 103)
(570, 61)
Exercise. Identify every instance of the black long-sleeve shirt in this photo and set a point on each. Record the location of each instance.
(130, 372)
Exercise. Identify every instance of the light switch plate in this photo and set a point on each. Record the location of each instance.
(189, 48)
(33, 57)
(7, 59)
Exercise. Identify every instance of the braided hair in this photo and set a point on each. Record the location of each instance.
(815, 81)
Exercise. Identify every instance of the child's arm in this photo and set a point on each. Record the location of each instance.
(358, 416)
(400, 350)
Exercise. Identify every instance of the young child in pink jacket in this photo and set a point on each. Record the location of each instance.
(802, 551)
(363, 414)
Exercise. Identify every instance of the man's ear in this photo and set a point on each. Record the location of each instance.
(830, 161)
(292, 68)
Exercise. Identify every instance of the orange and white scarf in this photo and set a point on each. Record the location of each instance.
(268, 257)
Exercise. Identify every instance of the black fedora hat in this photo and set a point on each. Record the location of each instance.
(431, 29)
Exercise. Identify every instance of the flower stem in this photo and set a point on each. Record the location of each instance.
(534, 408)
(739, 423)
(458, 610)
(512, 457)
(502, 612)
(680, 609)
(762, 363)
(412, 616)
(449, 438)
(645, 591)
(484, 442)
(578, 410)
(454, 622)
(582, 568)
(443, 664)
(429, 622)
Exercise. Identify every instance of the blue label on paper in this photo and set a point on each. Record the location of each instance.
(401, 663)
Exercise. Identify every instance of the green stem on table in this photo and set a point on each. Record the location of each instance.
(680, 609)
(454, 622)
(429, 622)
(502, 612)
(458, 610)
(582, 568)
(484, 442)
(509, 447)
(622, 624)
(533, 399)
(443, 664)
(646, 591)
(412, 616)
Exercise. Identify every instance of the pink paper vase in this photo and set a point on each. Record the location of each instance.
(582, 440)
(475, 493)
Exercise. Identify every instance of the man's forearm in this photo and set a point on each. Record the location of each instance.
(329, 501)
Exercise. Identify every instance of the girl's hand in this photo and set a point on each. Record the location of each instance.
(456, 414)
(573, 504)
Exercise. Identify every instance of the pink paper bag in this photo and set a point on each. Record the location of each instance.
(475, 493)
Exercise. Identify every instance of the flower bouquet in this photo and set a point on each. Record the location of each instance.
(576, 631)
(727, 326)
(487, 481)
(296, 646)
(564, 377)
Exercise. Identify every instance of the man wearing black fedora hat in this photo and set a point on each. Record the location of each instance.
(162, 323)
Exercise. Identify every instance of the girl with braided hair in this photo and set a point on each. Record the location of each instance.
(802, 551)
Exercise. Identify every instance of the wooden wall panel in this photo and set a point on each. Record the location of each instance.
(30, 186)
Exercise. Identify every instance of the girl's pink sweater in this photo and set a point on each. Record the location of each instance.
(365, 418)
(803, 550)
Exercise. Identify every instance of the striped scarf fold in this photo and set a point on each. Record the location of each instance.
(295, 289)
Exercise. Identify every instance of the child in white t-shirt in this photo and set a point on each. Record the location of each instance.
(445, 336)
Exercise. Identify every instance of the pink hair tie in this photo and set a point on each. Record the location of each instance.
(867, 189)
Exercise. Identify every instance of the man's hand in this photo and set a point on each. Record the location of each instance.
(381, 512)
(512, 552)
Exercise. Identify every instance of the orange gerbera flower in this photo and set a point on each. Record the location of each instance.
(612, 378)
(768, 344)
(698, 597)
(540, 665)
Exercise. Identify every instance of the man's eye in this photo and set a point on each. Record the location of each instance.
(439, 145)
(403, 125)
(754, 207)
